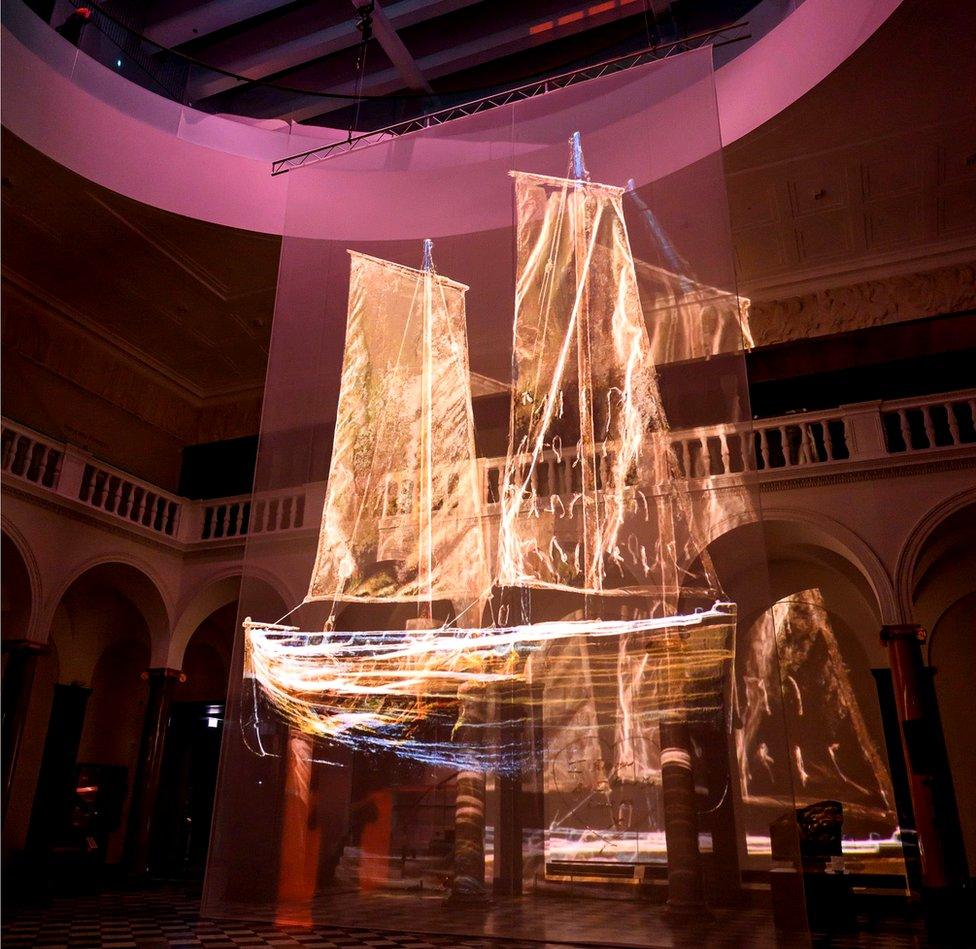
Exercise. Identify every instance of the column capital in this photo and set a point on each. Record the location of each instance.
(162, 673)
(909, 631)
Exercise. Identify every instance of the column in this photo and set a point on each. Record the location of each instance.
(930, 783)
(51, 814)
(18, 680)
(685, 889)
(722, 871)
(162, 683)
(298, 856)
(468, 884)
(891, 724)
(508, 784)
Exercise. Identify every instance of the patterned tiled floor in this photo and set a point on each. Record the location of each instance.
(168, 918)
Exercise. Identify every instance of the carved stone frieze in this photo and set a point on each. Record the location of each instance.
(869, 303)
(910, 467)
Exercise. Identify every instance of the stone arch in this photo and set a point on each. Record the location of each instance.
(207, 659)
(217, 592)
(22, 586)
(951, 655)
(914, 548)
(812, 595)
(134, 579)
(107, 616)
(31, 749)
(789, 552)
(203, 603)
(206, 649)
(937, 584)
(124, 600)
(818, 530)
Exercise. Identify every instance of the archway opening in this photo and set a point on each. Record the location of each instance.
(15, 592)
(944, 602)
(188, 779)
(206, 648)
(102, 630)
(19, 657)
(809, 723)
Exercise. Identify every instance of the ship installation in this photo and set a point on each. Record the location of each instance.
(591, 504)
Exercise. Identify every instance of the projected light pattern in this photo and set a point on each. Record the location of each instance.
(831, 752)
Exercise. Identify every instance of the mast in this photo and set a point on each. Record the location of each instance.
(426, 533)
(592, 554)
(578, 326)
(675, 262)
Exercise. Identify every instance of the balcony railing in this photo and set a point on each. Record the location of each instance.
(789, 442)
(237, 517)
(26, 455)
(794, 445)
(64, 470)
(123, 497)
(912, 426)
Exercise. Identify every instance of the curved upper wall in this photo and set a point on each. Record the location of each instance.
(125, 138)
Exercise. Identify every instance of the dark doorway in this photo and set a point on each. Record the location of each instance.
(186, 792)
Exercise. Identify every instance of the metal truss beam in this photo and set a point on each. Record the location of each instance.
(718, 37)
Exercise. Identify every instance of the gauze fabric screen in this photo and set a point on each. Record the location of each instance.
(505, 534)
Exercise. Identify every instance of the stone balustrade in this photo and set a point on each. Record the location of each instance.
(919, 425)
(801, 441)
(794, 445)
(77, 478)
(25, 454)
(129, 499)
(260, 514)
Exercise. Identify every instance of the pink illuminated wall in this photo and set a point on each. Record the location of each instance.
(217, 168)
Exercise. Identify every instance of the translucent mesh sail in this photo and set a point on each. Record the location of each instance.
(686, 319)
(402, 518)
(689, 320)
(585, 388)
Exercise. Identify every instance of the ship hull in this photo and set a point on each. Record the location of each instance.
(426, 695)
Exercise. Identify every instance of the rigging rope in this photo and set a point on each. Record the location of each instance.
(364, 23)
